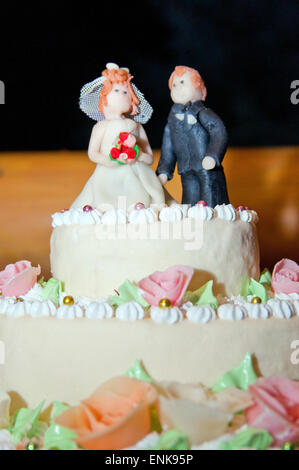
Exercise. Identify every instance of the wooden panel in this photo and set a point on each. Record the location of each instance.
(34, 185)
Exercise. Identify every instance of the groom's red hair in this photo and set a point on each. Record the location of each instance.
(196, 78)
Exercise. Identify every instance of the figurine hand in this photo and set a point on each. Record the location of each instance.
(163, 178)
(145, 158)
(208, 163)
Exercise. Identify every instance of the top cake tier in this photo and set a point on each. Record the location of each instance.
(93, 255)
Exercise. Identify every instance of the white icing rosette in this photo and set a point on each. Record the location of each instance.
(99, 310)
(296, 307)
(76, 216)
(226, 212)
(6, 440)
(69, 312)
(282, 309)
(41, 308)
(168, 315)
(130, 311)
(246, 215)
(17, 309)
(114, 217)
(142, 216)
(173, 213)
(201, 314)
(200, 212)
(232, 312)
(258, 311)
(4, 303)
(35, 293)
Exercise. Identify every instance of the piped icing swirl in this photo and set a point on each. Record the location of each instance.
(130, 311)
(281, 308)
(201, 314)
(258, 311)
(99, 310)
(166, 315)
(226, 212)
(232, 312)
(200, 212)
(172, 213)
(69, 312)
(142, 216)
(114, 217)
(76, 216)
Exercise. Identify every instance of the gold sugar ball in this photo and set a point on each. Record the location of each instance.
(256, 300)
(18, 299)
(32, 446)
(0, 293)
(68, 300)
(165, 303)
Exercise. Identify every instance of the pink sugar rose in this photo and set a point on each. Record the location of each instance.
(285, 277)
(17, 279)
(170, 284)
(276, 408)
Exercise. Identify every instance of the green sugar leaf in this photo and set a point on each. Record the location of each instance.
(26, 424)
(137, 371)
(59, 438)
(257, 289)
(266, 278)
(52, 290)
(257, 438)
(202, 296)
(126, 293)
(172, 440)
(241, 376)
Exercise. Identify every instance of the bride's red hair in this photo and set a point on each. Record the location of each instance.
(123, 77)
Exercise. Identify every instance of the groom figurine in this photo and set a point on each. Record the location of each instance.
(196, 139)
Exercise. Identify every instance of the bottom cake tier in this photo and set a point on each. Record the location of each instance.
(59, 359)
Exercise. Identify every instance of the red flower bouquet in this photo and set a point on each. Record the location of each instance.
(126, 149)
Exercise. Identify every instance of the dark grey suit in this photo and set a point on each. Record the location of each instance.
(193, 132)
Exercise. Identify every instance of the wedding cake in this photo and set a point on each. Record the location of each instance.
(138, 275)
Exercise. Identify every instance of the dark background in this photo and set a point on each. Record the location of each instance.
(246, 51)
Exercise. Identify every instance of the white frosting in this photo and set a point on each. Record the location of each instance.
(130, 311)
(258, 311)
(226, 212)
(44, 308)
(166, 315)
(281, 308)
(35, 293)
(99, 310)
(17, 309)
(142, 216)
(69, 312)
(296, 307)
(172, 213)
(6, 441)
(201, 212)
(76, 216)
(4, 303)
(114, 217)
(231, 312)
(282, 296)
(246, 215)
(201, 314)
(148, 442)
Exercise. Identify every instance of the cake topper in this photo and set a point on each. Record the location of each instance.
(118, 143)
(195, 138)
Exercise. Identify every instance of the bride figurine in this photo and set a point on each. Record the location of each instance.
(118, 143)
